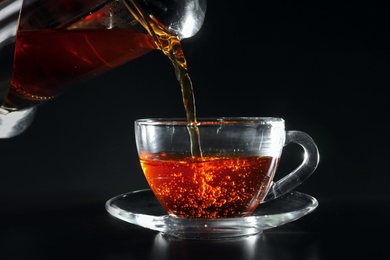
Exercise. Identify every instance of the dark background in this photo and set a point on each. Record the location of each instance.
(323, 67)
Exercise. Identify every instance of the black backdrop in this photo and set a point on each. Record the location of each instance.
(323, 67)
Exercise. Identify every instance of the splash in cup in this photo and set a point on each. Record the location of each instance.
(234, 172)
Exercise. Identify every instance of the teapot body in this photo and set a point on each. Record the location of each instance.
(52, 46)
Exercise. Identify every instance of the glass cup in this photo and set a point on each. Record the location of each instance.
(232, 174)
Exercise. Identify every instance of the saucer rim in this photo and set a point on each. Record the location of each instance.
(220, 228)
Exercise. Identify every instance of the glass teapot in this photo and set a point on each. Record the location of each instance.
(47, 46)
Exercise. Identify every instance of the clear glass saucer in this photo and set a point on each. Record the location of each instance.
(143, 209)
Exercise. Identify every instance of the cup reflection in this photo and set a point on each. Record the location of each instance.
(296, 243)
(168, 247)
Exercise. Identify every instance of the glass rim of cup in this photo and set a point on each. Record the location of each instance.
(212, 121)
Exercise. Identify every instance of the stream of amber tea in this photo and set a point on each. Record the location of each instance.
(170, 45)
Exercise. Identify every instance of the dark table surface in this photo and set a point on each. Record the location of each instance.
(324, 67)
(346, 228)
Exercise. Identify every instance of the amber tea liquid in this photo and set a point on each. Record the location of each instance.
(208, 187)
(48, 62)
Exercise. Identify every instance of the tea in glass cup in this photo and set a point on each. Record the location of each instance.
(232, 174)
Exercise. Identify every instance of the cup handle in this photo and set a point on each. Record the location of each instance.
(302, 172)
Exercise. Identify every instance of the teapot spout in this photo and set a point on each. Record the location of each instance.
(181, 18)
